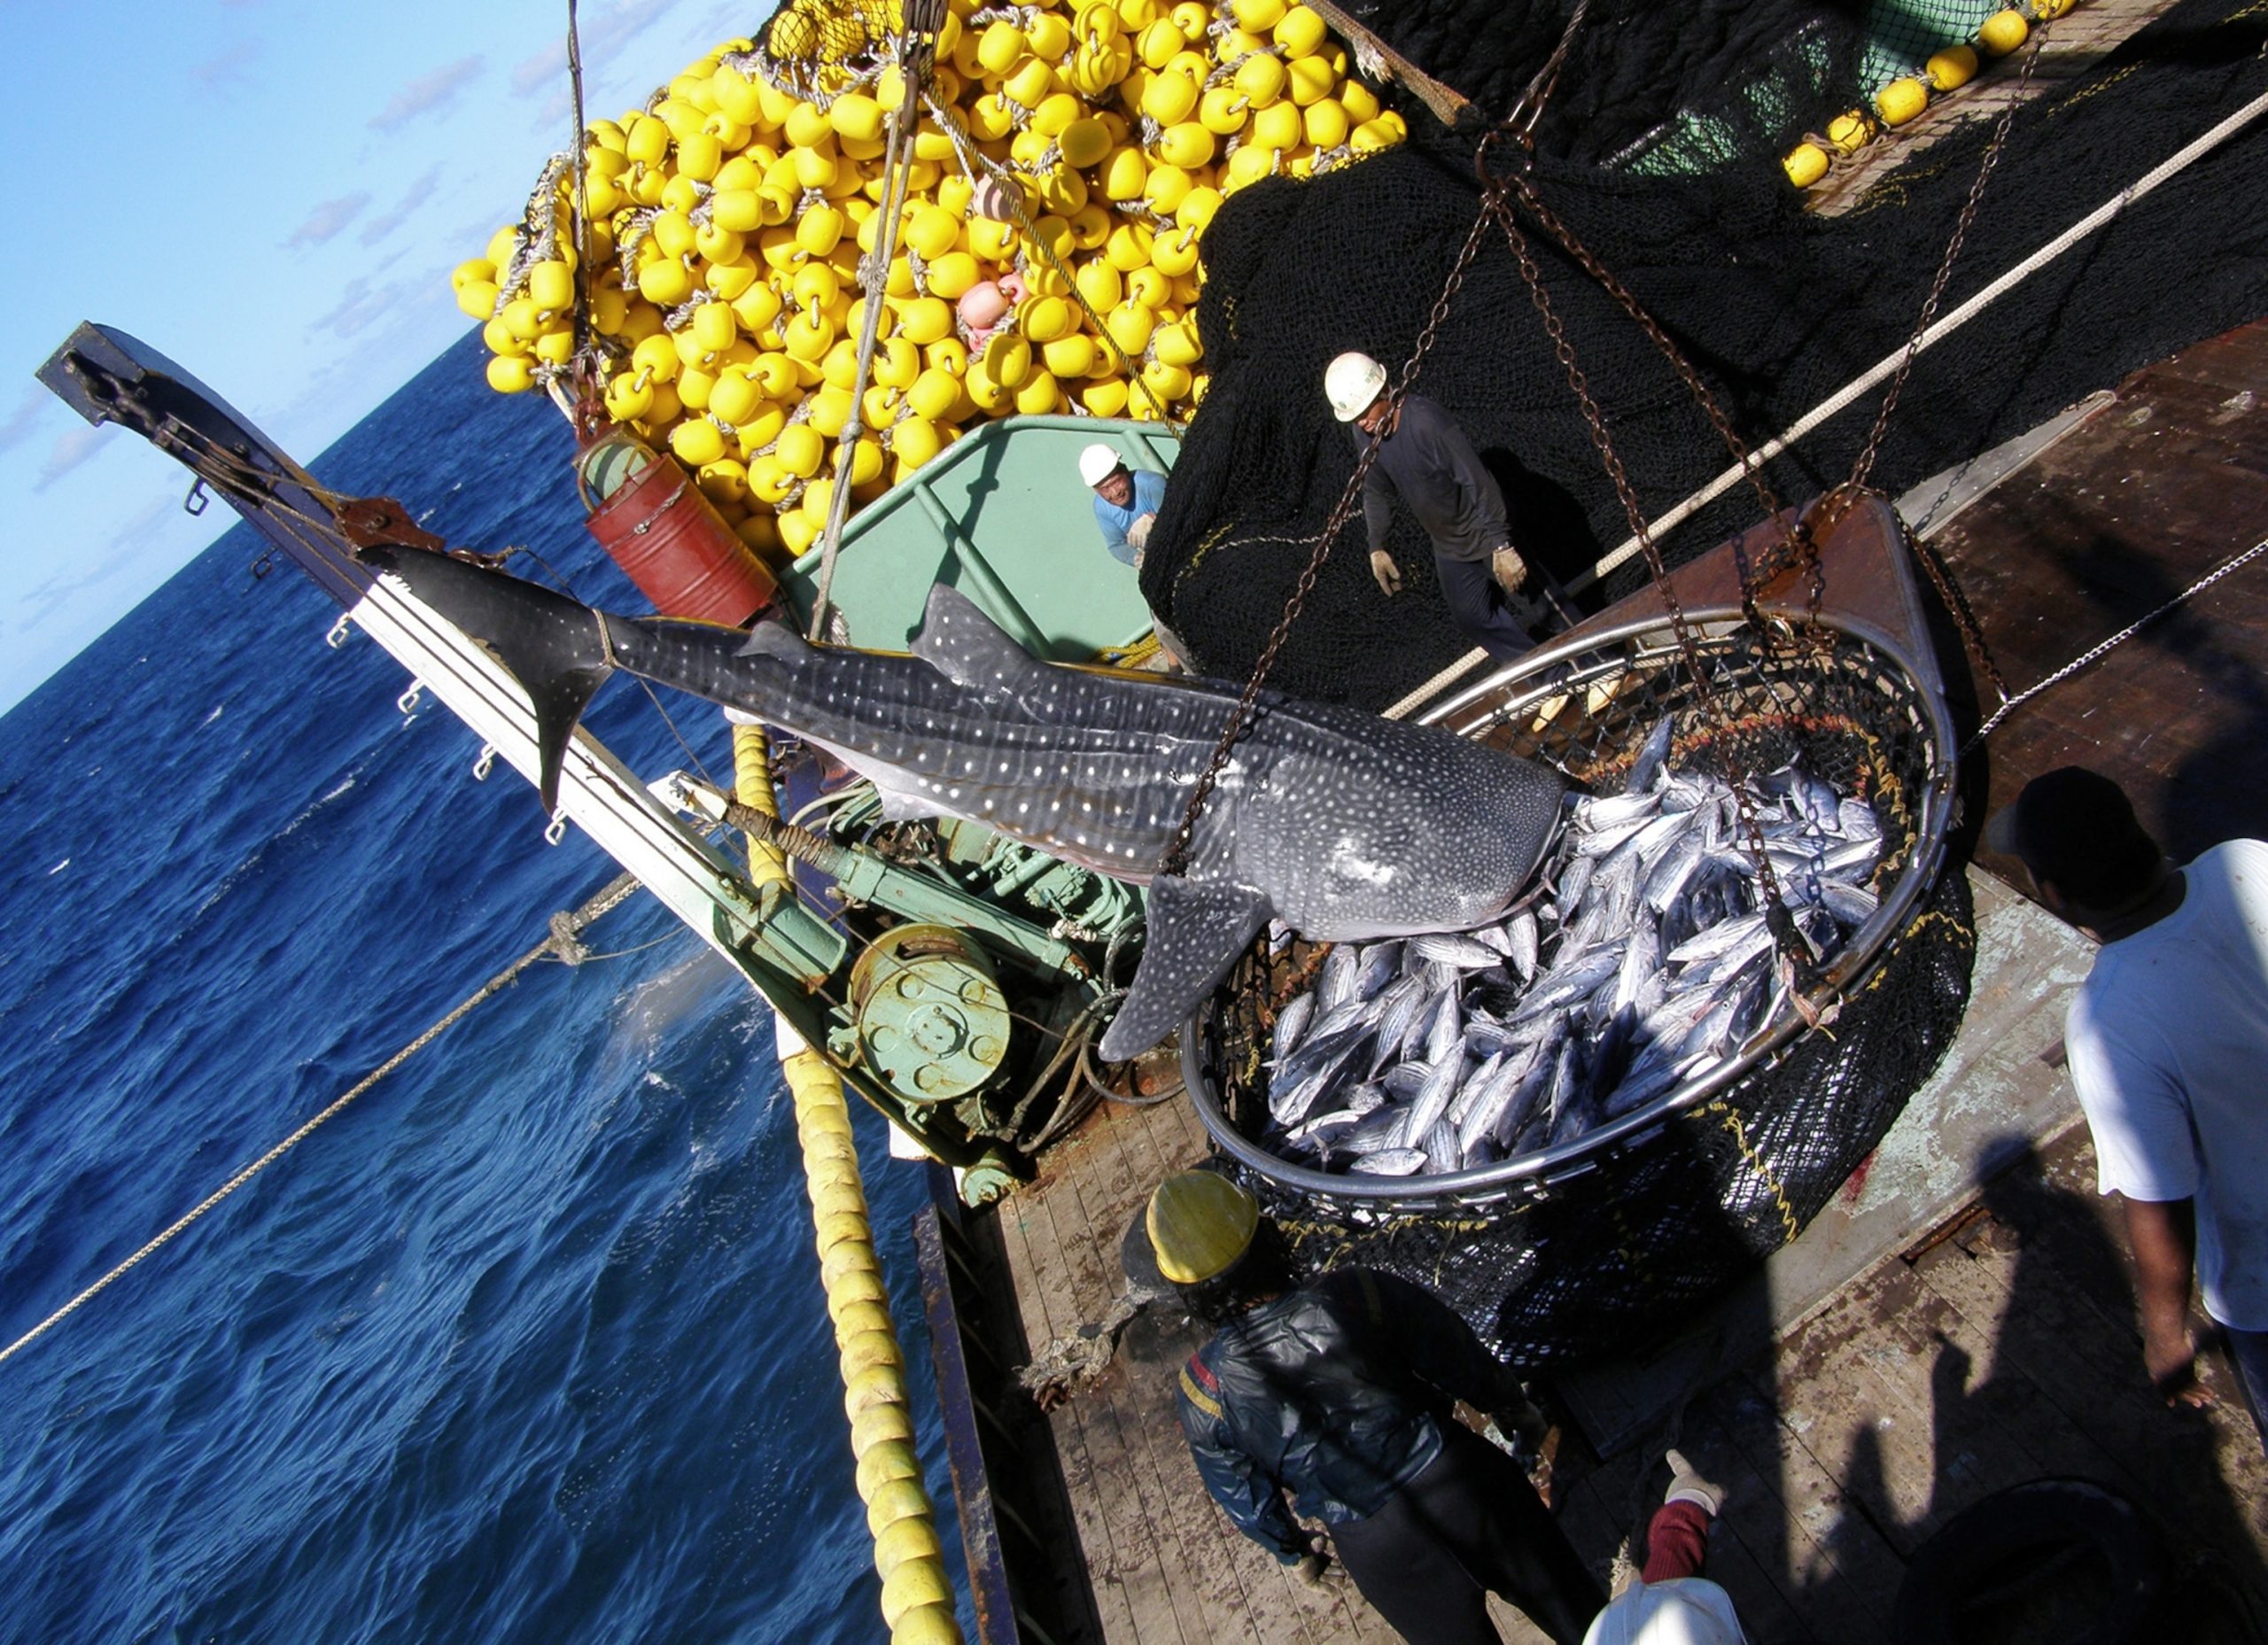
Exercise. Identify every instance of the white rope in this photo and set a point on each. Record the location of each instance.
(1951, 323)
(2077, 662)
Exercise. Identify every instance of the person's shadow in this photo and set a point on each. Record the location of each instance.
(2038, 1292)
(1548, 524)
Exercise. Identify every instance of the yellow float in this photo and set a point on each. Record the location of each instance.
(1070, 157)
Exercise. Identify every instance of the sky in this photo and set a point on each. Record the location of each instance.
(271, 193)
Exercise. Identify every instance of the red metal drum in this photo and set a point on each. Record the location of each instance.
(671, 540)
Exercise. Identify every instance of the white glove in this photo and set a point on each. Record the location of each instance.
(1138, 533)
(1388, 573)
(1510, 570)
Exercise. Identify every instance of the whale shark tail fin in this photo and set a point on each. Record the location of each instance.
(555, 646)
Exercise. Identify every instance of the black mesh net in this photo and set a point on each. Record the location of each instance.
(1569, 1259)
(1777, 309)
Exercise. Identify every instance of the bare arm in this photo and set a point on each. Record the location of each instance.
(2163, 1235)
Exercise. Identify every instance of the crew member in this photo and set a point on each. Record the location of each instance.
(2167, 1038)
(1340, 1392)
(1672, 1602)
(1126, 502)
(1426, 459)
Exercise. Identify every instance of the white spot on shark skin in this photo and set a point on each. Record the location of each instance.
(1346, 861)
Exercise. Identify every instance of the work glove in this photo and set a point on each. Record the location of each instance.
(1311, 1565)
(1686, 1485)
(1388, 574)
(1138, 533)
(1510, 570)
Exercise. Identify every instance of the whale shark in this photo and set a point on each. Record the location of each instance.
(1344, 825)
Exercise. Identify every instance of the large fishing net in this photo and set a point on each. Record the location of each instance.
(1574, 1256)
(1775, 309)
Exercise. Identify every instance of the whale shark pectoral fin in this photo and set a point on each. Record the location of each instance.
(970, 649)
(1197, 929)
(559, 699)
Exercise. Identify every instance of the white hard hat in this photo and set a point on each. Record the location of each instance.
(1098, 464)
(1690, 1610)
(1350, 382)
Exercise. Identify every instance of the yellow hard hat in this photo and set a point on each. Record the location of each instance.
(1199, 1225)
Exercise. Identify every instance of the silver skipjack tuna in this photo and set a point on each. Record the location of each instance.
(1642, 958)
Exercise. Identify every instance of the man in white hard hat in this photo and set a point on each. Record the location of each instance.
(1672, 1602)
(1340, 1392)
(1426, 460)
(1126, 502)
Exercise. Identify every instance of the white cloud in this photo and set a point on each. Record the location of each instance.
(18, 428)
(71, 449)
(361, 306)
(414, 196)
(329, 218)
(226, 72)
(428, 94)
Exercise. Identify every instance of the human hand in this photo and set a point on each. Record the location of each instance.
(1388, 573)
(1510, 569)
(1313, 1564)
(1138, 533)
(2173, 1366)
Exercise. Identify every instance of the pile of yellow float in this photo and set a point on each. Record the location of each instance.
(1904, 97)
(1045, 259)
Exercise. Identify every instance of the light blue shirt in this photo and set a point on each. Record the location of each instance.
(1149, 497)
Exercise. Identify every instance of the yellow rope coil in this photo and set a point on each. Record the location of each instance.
(917, 1592)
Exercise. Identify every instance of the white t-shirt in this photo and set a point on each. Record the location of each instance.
(2168, 1041)
(1687, 1610)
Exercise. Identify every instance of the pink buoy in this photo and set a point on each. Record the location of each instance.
(983, 304)
(1012, 287)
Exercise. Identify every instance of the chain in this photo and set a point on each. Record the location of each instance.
(1176, 858)
(1797, 543)
(1776, 909)
(1864, 466)
(2011, 704)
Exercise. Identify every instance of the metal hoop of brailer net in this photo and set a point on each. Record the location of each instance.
(1857, 714)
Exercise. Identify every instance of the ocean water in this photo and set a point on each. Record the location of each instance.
(529, 1342)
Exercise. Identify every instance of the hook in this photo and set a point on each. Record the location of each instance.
(407, 700)
(485, 763)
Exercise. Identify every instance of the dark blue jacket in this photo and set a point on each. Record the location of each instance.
(1333, 1392)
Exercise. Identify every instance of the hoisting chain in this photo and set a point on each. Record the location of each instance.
(1785, 936)
(1239, 721)
(1972, 634)
(1176, 858)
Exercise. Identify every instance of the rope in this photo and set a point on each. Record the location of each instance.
(614, 892)
(1882, 369)
(2125, 635)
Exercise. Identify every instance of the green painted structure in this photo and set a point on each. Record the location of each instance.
(1000, 514)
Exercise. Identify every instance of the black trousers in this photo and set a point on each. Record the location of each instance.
(1468, 1525)
(1479, 609)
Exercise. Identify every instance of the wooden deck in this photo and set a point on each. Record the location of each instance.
(1998, 1348)
(1961, 1321)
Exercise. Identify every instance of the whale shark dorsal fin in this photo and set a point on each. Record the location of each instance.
(970, 649)
(776, 639)
(1197, 928)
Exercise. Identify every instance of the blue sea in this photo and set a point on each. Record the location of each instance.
(527, 1344)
